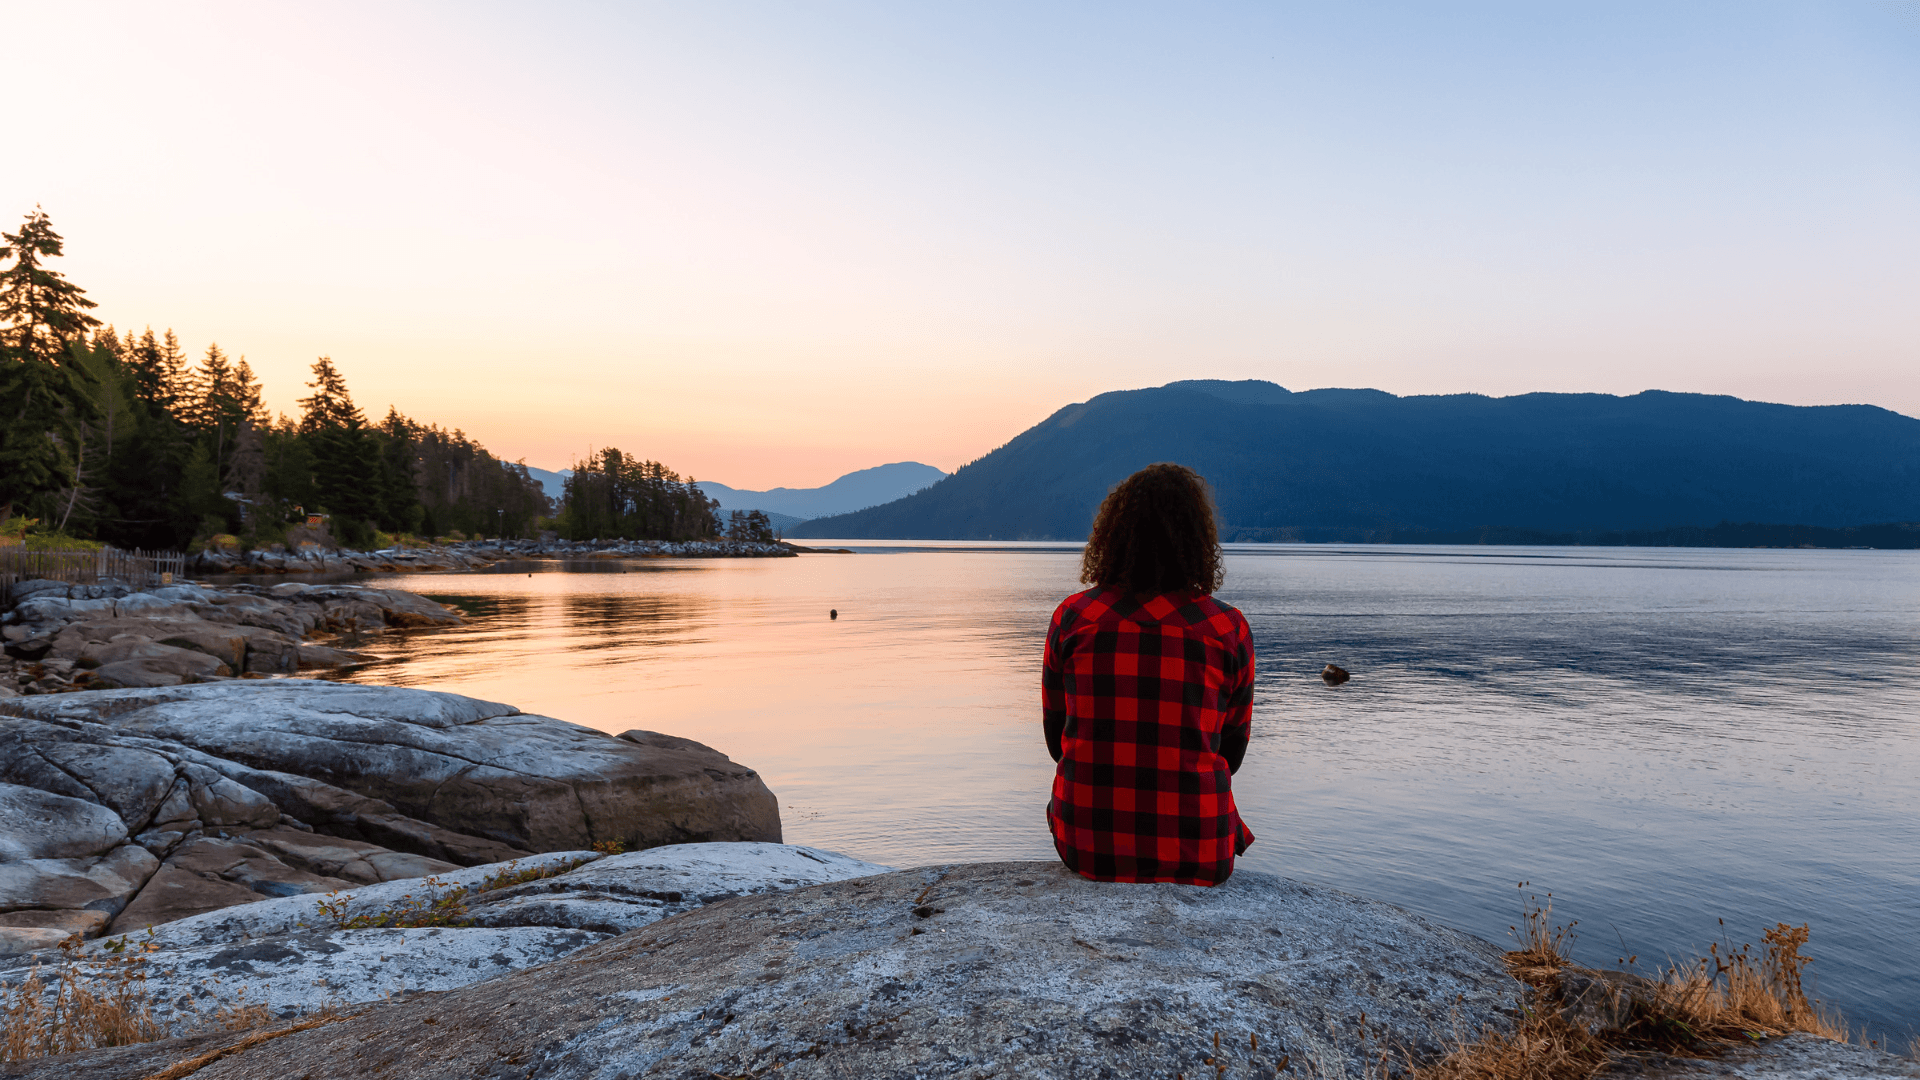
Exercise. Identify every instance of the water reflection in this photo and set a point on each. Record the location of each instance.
(1662, 738)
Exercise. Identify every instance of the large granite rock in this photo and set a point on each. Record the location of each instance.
(298, 955)
(235, 790)
(996, 969)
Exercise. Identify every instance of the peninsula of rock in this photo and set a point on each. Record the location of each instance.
(125, 809)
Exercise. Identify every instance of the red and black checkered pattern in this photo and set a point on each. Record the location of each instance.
(1147, 706)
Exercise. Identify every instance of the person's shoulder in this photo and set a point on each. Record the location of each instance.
(1091, 604)
(1217, 615)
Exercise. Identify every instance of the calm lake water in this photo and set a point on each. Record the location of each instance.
(1662, 738)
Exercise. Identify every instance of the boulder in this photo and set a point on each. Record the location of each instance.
(345, 860)
(148, 671)
(207, 874)
(1597, 1001)
(989, 969)
(130, 782)
(321, 656)
(22, 591)
(220, 642)
(237, 790)
(29, 648)
(84, 923)
(478, 767)
(43, 825)
(23, 940)
(103, 883)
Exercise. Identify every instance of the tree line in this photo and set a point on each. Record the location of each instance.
(121, 438)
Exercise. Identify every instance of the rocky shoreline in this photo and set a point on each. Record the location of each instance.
(473, 555)
(61, 638)
(126, 809)
(313, 879)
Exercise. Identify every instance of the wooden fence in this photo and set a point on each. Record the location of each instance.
(142, 569)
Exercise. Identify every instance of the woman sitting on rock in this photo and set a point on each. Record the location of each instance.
(1147, 693)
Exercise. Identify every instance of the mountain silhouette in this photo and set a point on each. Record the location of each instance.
(1368, 465)
(867, 487)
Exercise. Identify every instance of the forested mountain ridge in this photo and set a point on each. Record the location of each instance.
(1363, 464)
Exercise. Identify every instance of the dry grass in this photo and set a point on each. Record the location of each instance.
(1728, 998)
(1736, 996)
(88, 1005)
(98, 1001)
(441, 904)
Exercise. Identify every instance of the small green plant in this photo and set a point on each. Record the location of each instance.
(610, 847)
(440, 905)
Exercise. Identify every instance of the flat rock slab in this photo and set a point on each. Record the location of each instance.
(988, 969)
(306, 972)
(625, 892)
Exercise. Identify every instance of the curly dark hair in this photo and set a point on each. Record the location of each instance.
(1155, 534)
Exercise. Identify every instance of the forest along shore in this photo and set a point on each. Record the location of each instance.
(476, 555)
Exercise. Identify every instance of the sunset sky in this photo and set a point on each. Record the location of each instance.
(773, 243)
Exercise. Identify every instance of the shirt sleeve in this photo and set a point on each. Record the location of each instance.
(1053, 689)
(1237, 729)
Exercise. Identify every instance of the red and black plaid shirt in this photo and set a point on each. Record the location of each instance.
(1147, 707)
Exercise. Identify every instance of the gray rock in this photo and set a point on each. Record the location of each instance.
(347, 860)
(42, 825)
(24, 940)
(623, 892)
(33, 588)
(217, 784)
(294, 914)
(223, 643)
(208, 874)
(68, 922)
(103, 883)
(1794, 1057)
(320, 656)
(1599, 1001)
(29, 648)
(310, 970)
(130, 782)
(1007, 969)
(147, 664)
(480, 767)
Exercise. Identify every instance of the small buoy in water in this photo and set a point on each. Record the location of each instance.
(833, 613)
(1334, 675)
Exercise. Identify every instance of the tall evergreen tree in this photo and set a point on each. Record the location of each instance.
(43, 398)
(44, 312)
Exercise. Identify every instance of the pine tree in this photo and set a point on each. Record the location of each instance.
(330, 405)
(44, 311)
(148, 366)
(43, 395)
(175, 380)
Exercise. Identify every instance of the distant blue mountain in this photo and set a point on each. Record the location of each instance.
(854, 491)
(1368, 465)
(553, 483)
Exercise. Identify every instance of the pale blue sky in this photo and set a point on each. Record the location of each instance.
(773, 243)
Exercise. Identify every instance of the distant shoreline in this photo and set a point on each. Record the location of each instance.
(1897, 536)
(480, 554)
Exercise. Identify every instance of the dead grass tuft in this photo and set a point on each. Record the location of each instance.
(86, 1006)
(95, 1001)
(1730, 997)
(1736, 997)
